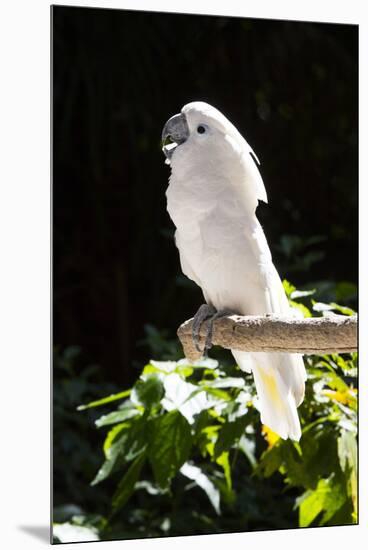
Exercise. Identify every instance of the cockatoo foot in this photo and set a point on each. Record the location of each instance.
(206, 312)
(220, 313)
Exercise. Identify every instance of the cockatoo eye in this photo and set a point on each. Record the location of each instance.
(201, 129)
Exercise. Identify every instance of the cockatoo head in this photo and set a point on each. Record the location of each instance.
(200, 137)
(198, 126)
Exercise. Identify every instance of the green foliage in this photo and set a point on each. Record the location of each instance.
(75, 441)
(185, 430)
(324, 461)
(327, 498)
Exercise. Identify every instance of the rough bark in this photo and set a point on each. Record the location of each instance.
(273, 333)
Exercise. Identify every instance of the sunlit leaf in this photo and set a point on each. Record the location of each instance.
(112, 452)
(320, 306)
(327, 497)
(116, 416)
(196, 474)
(288, 287)
(188, 398)
(347, 397)
(343, 309)
(226, 382)
(104, 400)
(223, 461)
(301, 293)
(67, 532)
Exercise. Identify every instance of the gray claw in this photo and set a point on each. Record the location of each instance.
(217, 315)
(203, 313)
(206, 312)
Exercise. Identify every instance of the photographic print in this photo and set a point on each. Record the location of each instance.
(205, 271)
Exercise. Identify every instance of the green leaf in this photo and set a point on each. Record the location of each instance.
(229, 435)
(152, 369)
(107, 467)
(328, 496)
(123, 444)
(184, 370)
(116, 416)
(219, 394)
(270, 461)
(147, 392)
(196, 474)
(126, 486)
(223, 461)
(171, 441)
(111, 436)
(104, 400)
(137, 438)
(115, 445)
(343, 309)
(318, 458)
(288, 287)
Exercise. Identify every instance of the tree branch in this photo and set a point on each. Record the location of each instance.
(274, 333)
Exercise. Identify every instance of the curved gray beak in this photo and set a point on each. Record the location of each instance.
(177, 129)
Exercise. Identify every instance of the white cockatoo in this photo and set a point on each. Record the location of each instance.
(213, 193)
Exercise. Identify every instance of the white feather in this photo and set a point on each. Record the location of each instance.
(212, 198)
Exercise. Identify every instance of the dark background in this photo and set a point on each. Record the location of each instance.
(291, 90)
